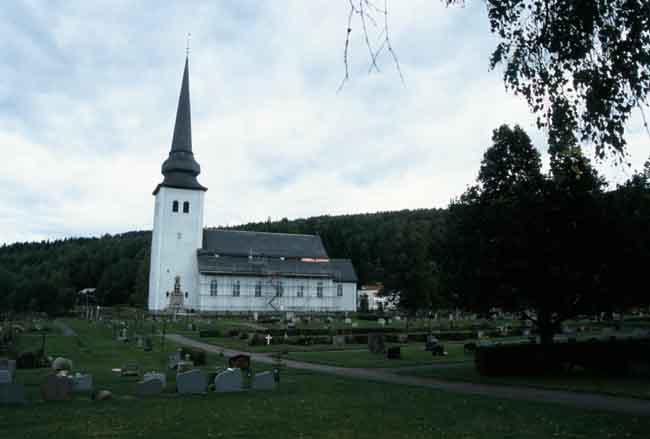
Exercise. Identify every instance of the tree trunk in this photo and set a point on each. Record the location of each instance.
(546, 327)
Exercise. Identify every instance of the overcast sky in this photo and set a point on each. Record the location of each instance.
(88, 95)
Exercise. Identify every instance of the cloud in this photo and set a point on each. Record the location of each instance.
(88, 95)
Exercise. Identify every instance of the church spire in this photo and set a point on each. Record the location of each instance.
(180, 169)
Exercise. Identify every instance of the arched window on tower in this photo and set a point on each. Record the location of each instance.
(175, 206)
(186, 207)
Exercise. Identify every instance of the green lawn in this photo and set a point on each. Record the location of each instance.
(412, 355)
(305, 405)
(578, 382)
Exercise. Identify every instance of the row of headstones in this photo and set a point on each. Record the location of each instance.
(196, 382)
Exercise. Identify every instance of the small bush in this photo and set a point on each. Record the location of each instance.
(210, 333)
(197, 356)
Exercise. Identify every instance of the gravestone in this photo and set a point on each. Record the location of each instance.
(376, 343)
(402, 338)
(82, 383)
(398, 318)
(148, 346)
(338, 340)
(191, 382)
(394, 353)
(130, 369)
(355, 325)
(264, 381)
(156, 376)
(240, 362)
(173, 360)
(229, 380)
(381, 322)
(348, 321)
(56, 388)
(103, 395)
(255, 316)
(12, 393)
(10, 365)
(5, 376)
(61, 363)
(150, 387)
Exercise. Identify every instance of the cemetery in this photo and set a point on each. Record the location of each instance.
(125, 363)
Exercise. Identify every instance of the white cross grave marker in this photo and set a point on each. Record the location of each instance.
(268, 339)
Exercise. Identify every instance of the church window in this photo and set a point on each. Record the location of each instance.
(175, 206)
(319, 289)
(214, 287)
(235, 288)
(279, 292)
(301, 290)
(339, 290)
(186, 207)
(258, 289)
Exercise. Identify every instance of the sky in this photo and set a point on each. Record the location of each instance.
(88, 96)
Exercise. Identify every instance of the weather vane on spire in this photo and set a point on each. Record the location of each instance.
(187, 48)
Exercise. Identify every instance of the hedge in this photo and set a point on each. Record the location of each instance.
(613, 357)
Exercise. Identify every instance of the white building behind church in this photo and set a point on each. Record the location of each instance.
(226, 270)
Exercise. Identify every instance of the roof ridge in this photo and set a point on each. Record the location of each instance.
(263, 233)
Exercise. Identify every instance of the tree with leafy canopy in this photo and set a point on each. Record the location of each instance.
(526, 243)
(582, 65)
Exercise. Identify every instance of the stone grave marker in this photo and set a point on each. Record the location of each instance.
(381, 322)
(264, 381)
(5, 376)
(355, 325)
(338, 340)
(376, 343)
(348, 321)
(191, 382)
(56, 388)
(156, 376)
(148, 345)
(81, 383)
(10, 365)
(240, 362)
(173, 360)
(398, 318)
(12, 393)
(402, 338)
(61, 363)
(150, 387)
(130, 369)
(229, 380)
(394, 353)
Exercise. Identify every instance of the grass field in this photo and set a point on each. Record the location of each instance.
(412, 355)
(305, 405)
(576, 382)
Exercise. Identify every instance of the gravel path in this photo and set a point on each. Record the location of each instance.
(581, 400)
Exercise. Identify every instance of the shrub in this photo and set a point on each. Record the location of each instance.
(614, 357)
(210, 333)
(197, 356)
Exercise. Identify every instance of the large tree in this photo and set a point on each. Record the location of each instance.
(527, 246)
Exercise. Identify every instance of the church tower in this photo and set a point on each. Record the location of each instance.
(178, 219)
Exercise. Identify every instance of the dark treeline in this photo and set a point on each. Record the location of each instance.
(45, 276)
(551, 244)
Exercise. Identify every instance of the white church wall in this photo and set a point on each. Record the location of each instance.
(176, 238)
(247, 301)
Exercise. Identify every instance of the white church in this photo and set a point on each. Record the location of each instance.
(214, 270)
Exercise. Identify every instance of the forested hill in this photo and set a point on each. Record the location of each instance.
(45, 275)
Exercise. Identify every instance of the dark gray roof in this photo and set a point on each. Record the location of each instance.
(339, 269)
(180, 169)
(286, 245)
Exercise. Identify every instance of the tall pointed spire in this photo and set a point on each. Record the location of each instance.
(180, 169)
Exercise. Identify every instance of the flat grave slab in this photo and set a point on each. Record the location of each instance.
(264, 381)
(229, 380)
(191, 382)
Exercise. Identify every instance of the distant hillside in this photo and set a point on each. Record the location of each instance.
(45, 275)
